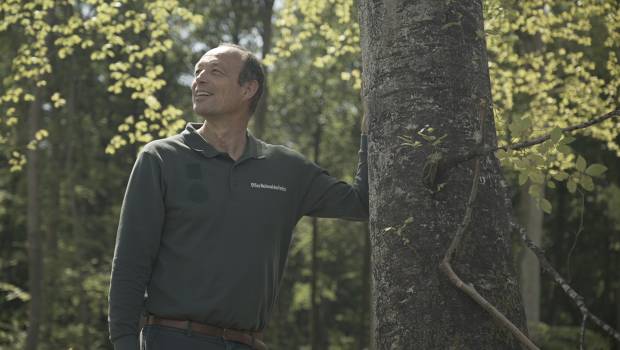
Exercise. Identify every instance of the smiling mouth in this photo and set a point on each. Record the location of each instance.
(203, 93)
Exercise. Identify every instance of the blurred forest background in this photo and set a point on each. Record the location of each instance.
(86, 83)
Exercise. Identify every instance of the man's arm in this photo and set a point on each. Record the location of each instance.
(137, 243)
(326, 196)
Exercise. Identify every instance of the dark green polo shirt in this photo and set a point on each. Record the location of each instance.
(207, 237)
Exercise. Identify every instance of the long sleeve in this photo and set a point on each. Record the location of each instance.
(327, 196)
(137, 243)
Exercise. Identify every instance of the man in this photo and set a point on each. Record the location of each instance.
(207, 220)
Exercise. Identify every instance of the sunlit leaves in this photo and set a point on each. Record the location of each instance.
(327, 21)
(11, 292)
(107, 32)
(545, 78)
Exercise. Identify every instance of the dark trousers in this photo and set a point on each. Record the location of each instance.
(155, 337)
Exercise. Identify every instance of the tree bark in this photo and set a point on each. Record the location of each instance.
(425, 66)
(531, 217)
(35, 254)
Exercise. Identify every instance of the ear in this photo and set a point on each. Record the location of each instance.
(249, 89)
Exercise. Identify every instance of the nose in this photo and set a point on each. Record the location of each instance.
(202, 76)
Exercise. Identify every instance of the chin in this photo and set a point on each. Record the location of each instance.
(203, 112)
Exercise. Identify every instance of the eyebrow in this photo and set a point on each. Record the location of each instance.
(214, 64)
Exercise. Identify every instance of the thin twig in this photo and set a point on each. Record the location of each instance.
(579, 230)
(582, 334)
(469, 289)
(572, 294)
(528, 143)
(483, 151)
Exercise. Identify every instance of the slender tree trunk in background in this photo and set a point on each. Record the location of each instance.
(260, 117)
(314, 317)
(552, 310)
(35, 254)
(315, 333)
(616, 346)
(236, 25)
(425, 63)
(614, 274)
(531, 217)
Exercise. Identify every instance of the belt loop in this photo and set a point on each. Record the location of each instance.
(188, 330)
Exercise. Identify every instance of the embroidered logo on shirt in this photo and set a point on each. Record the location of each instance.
(268, 187)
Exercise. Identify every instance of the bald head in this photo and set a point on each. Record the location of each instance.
(250, 67)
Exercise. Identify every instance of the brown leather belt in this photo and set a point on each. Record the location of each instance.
(253, 339)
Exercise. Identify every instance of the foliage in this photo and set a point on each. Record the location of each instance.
(127, 38)
(553, 65)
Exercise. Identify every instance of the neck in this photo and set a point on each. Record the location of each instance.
(225, 135)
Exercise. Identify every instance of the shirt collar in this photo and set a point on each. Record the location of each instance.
(253, 148)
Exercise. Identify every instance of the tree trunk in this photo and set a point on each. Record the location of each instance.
(35, 254)
(425, 63)
(260, 117)
(531, 218)
(315, 333)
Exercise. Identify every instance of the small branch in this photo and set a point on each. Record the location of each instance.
(572, 294)
(525, 144)
(469, 289)
(579, 230)
(483, 151)
(582, 334)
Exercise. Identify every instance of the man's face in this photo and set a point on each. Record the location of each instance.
(215, 89)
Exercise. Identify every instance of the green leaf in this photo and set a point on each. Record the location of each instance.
(560, 176)
(501, 154)
(581, 163)
(551, 184)
(522, 163)
(596, 169)
(565, 149)
(556, 134)
(586, 183)
(536, 176)
(545, 205)
(535, 191)
(568, 139)
(522, 178)
(537, 159)
(409, 220)
(545, 146)
(571, 185)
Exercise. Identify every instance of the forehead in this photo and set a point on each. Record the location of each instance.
(224, 56)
